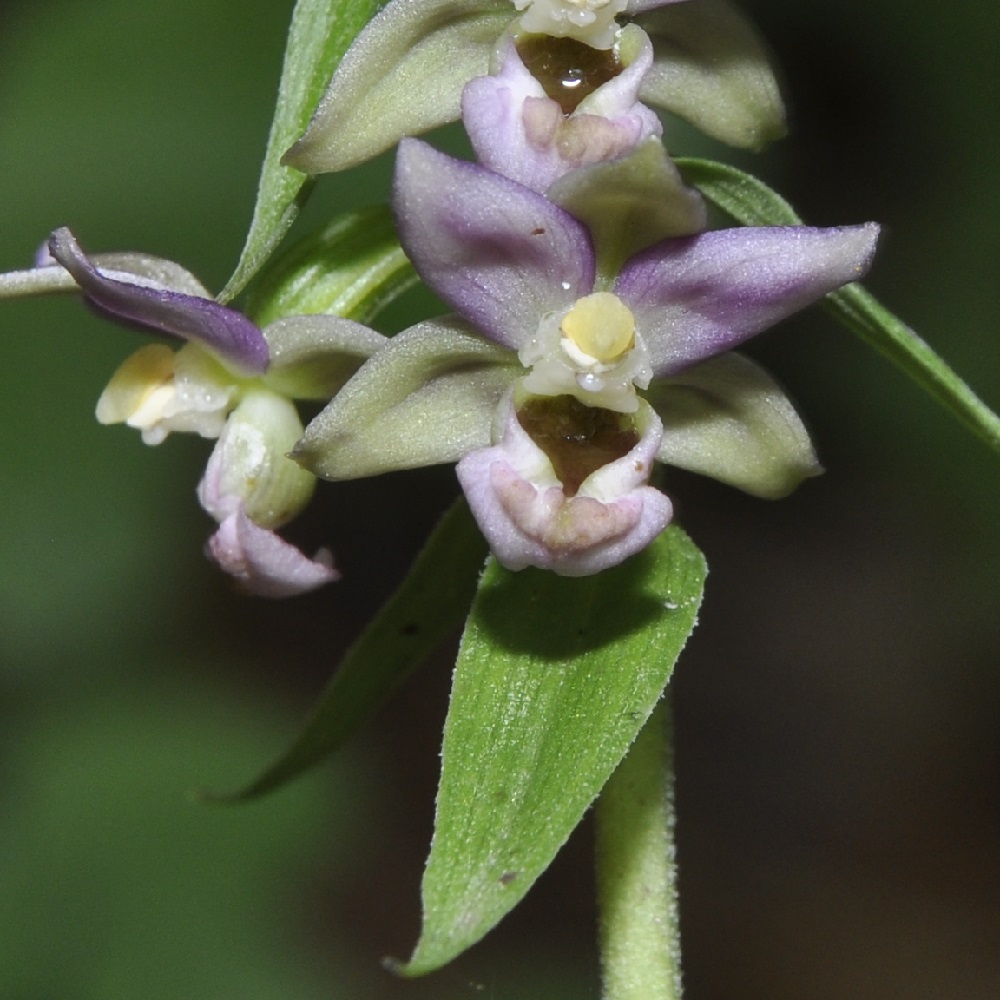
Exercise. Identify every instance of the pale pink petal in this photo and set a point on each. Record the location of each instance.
(529, 521)
(264, 564)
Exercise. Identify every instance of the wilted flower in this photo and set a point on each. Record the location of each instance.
(583, 375)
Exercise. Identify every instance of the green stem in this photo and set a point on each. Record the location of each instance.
(636, 872)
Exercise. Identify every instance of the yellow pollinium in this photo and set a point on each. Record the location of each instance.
(601, 326)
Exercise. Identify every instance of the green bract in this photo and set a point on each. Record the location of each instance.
(320, 32)
(351, 267)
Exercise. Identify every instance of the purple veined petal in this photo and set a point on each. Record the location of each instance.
(48, 277)
(226, 333)
(264, 564)
(698, 296)
(498, 253)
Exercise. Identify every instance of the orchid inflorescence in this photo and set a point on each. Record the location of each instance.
(594, 312)
(595, 308)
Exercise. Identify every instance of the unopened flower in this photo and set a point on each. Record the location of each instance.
(229, 380)
(251, 488)
(610, 363)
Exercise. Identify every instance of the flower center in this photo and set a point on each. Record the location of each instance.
(592, 351)
(590, 21)
(577, 439)
(601, 327)
(568, 70)
(158, 391)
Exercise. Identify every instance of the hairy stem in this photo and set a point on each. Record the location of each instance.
(636, 884)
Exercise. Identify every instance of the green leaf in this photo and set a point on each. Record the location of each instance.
(428, 606)
(753, 203)
(738, 194)
(320, 33)
(352, 267)
(555, 678)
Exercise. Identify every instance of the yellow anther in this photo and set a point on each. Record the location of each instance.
(601, 326)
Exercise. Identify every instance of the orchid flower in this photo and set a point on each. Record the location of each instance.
(406, 71)
(229, 381)
(520, 131)
(553, 385)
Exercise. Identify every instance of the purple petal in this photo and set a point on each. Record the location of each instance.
(264, 564)
(698, 296)
(226, 333)
(500, 254)
(620, 95)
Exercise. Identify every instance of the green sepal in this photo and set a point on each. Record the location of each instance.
(320, 33)
(427, 398)
(555, 678)
(404, 76)
(752, 203)
(712, 69)
(351, 267)
(727, 418)
(313, 356)
(428, 607)
(629, 204)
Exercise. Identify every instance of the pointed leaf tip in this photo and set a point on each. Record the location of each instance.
(554, 680)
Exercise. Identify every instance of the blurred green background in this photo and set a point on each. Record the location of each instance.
(837, 709)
